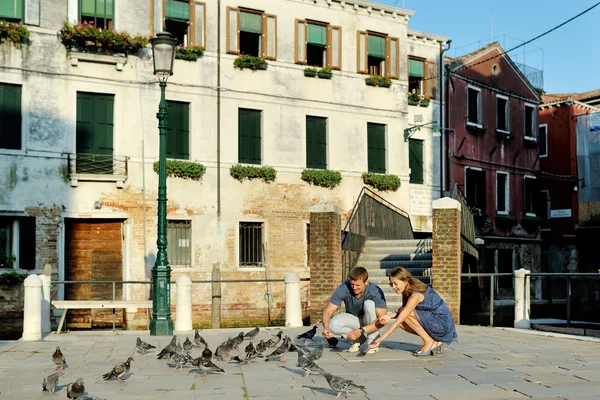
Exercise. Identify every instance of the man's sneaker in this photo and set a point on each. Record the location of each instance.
(372, 351)
(354, 348)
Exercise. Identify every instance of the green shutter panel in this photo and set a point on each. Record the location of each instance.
(85, 123)
(178, 130)
(317, 35)
(376, 46)
(99, 8)
(249, 136)
(316, 142)
(11, 9)
(104, 124)
(255, 137)
(250, 22)
(10, 117)
(177, 10)
(242, 136)
(416, 68)
(376, 148)
(415, 160)
(310, 142)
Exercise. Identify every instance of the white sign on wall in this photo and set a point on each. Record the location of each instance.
(564, 213)
(420, 202)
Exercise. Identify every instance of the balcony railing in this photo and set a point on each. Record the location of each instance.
(97, 164)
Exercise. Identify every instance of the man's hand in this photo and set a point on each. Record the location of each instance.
(384, 319)
(327, 333)
(353, 335)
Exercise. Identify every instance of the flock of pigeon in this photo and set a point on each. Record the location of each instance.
(178, 355)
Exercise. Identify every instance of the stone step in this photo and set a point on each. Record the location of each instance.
(393, 264)
(383, 273)
(396, 243)
(394, 256)
(396, 249)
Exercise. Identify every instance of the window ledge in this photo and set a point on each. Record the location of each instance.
(76, 56)
(75, 178)
(530, 214)
(530, 139)
(474, 124)
(501, 212)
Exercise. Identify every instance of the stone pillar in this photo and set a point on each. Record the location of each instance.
(447, 257)
(183, 313)
(293, 308)
(46, 281)
(325, 256)
(522, 299)
(32, 313)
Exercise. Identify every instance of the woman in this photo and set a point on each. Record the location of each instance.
(424, 314)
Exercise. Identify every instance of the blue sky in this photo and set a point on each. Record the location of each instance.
(569, 56)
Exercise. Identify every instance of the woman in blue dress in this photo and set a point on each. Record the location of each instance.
(424, 314)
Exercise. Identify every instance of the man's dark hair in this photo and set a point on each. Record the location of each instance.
(359, 273)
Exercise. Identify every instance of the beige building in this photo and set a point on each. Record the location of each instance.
(77, 165)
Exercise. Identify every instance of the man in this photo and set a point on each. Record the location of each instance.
(364, 302)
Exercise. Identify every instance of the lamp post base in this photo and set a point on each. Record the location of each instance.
(161, 327)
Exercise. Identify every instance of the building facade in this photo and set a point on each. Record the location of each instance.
(79, 140)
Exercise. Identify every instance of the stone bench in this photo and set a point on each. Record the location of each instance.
(96, 304)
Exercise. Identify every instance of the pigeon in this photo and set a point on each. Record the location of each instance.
(252, 333)
(280, 351)
(179, 360)
(88, 397)
(306, 363)
(59, 359)
(246, 358)
(308, 335)
(143, 346)
(75, 390)
(205, 365)
(179, 347)
(333, 342)
(274, 340)
(206, 353)
(238, 340)
(261, 347)
(199, 340)
(223, 349)
(316, 353)
(249, 348)
(168, 350)
(187, 345)
(119, 371)
(50, 383)
(340, 384)
(292, 346)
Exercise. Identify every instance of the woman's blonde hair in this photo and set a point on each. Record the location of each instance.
(414, 285)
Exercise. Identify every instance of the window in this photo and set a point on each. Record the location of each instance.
(10, 116)
(543, 140)
(251, 244)
(249, 136)
(376, 147)
(475, 188)
(94, 132)
(17, 242)
(502, 193)
(502, 114)
(505, 265)
(178, 131)
(422, 77)
(529, 191)
(530, 122)
(378, 54)
(251, 32)
(415, 160)
(97, 12)
(316, 142)
(318, 44)
(473, 106)
(12, 10)
(186, 20)
(179, 249)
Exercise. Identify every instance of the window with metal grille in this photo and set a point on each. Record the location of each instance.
(179, 249)
(17, 242)
(251, 244)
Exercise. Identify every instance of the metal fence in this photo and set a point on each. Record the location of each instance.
(97, 164)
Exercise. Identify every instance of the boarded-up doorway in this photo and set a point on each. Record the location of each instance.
(93, 252)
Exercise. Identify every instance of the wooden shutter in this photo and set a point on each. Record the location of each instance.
(393, 58)
(376, 147)
(431, 78)
(334, 47)
(269, 29)
(197, 23)
(249, 136)
(12, 9)
(300, 53)
(415, 160)
(316, 142)
(178, 136)
(94, 125)
(233, 31)
(10, 117)
(361, 52)
(85, 123)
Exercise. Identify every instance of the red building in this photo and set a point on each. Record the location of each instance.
(492, 156)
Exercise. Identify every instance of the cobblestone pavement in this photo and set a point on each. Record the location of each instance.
(486, 363)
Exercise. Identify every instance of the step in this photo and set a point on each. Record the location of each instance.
(393, 264)
(377, 256)
(383, 273)
(396, 249)
(392, 243)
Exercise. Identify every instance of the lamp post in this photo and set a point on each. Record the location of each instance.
(163, 51)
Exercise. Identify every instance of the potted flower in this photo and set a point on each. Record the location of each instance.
(310, 72)
(15, 33)
(384, 81)
(250, 62)
(372, 80)
(424, 102)
(188, 53)
(325, 73)
(413, 99)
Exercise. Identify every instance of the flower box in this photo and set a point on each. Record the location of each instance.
(250, 62)
(310, 72)
(424, 102)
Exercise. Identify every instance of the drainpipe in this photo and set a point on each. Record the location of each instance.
(441, 119)
(218, 115)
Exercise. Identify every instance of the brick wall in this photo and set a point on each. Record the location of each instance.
(446, 267)
(12, 297)
(325, 256)
(47, 220)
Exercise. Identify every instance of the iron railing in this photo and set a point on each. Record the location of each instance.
(97, 164)
(467, 226)
(372, 217)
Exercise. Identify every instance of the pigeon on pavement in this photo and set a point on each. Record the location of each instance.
(274, 341)
(49, 383)
(119, 370)
(76, 389)
(206, 353)
(187, 345)
(280, 351)
(224, 348)
(59, 359)
(261, 347)
(143, 346)
(308, 335)
(179, 347)
(179, 360)
(249, 348)
(238, 340)
(333, 342)
(169, 349)
(306, 363)
(252, 333)
(246, 358)
(340, 384)
(316, 353)
(205, 365)
(199, 340)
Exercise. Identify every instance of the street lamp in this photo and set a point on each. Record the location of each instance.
(163, 52)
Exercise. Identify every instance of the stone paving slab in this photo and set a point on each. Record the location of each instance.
(486, 363)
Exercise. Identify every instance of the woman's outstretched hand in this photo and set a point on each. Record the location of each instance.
(375, 343)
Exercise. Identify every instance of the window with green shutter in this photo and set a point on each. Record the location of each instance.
(376, 147)
(415, 160)
(10, 116)
(249, 136)
(94, 132)
(98, 12)
(178, 132)
(12, 9)
(316, 142)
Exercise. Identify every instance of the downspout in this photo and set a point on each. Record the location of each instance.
(218, 116)
(441, 119)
